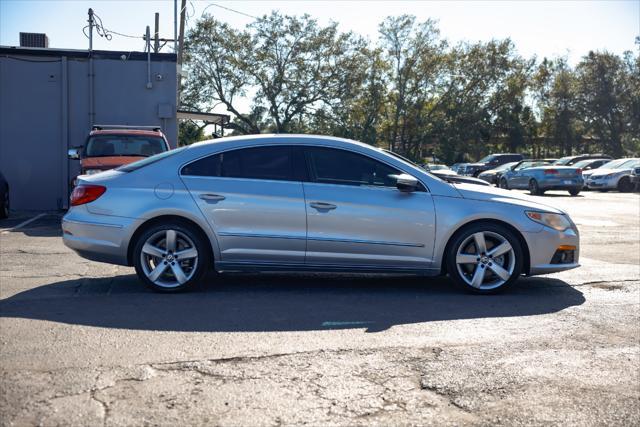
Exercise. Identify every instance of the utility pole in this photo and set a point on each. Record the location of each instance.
(91, 24)
(156, 42)
(181, 43)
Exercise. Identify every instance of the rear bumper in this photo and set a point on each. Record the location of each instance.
(98, 237)
(543, 245)
(561, 184)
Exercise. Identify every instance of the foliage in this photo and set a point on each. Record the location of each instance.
(410, 90)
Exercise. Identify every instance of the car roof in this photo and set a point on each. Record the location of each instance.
(291, 138)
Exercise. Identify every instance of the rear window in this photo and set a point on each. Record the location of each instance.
(124, 145)
(149, 160)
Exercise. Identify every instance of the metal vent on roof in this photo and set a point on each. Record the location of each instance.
(34, 40)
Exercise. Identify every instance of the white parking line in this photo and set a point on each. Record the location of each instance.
(22, 224)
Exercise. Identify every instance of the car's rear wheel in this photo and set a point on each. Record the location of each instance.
(574, 191)
(534, 188)
(624, 185)
(485, 258)
(171, 257)
(504, 184)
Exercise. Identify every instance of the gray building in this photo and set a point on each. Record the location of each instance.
(50, 98)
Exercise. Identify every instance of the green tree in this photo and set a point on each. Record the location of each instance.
(606, 96)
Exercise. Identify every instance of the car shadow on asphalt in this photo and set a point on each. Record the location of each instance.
(243, 303)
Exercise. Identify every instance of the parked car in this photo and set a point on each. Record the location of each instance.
(635, 179)
(441, 169)
(617, 177)
(491, 176)
(108, 147)
(309, 203)
(490, 162)
(4, 197)
(538, 178)
(515, 171)
(588, 166)
(571, 160)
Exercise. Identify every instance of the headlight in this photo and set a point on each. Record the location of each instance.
(92, 171)
(556, 221)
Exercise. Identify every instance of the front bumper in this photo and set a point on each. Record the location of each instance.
(543, 246)
(602, 183)
(99, 238)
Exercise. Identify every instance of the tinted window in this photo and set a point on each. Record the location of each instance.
(149, 160)
(331, 166)
(255, 163)
(124, 145)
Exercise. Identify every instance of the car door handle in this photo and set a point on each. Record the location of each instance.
(322, 206)
(211, 197)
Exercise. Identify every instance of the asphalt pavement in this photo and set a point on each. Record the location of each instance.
(84, 343)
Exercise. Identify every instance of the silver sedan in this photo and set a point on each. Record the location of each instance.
(309, 203)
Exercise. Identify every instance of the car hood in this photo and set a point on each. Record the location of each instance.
(498, 195)
(475, 165)
(108, 162)
(600, 172)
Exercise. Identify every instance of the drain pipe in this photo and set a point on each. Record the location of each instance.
(149, 84)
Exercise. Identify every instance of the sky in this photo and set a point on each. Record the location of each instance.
(541, 28)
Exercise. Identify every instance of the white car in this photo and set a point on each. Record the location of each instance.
(615, 175)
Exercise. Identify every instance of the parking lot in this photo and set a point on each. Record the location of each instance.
(84, 343)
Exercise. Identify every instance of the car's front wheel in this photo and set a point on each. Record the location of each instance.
(504, 184)
(485, 258)
(624, 185)
(171, 257)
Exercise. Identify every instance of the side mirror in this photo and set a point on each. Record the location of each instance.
(73, 153)
(406, 183)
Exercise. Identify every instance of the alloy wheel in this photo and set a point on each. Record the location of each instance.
(169, 258)
(485, 260)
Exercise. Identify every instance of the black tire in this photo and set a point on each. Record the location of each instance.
(4, 204)
(624, 185)
(534, 188)
(574, 191)
(464, 234)
(202, 263)
(504, 184)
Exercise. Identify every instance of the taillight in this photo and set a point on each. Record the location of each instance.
(551, 172)
(579, 171)
(86, 193)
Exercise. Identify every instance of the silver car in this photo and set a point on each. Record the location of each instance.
(309, 203)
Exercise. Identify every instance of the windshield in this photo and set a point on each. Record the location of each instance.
(630, 163)
(144, 162)
(584, 163)
(614, 164)
(486, 159)
(563, 161)
(506, 166)
(124, 145)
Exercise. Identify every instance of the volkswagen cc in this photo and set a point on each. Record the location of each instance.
(309, 203)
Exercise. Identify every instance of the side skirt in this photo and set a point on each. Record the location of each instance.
(229, 267)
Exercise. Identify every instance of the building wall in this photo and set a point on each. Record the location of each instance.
(45, 109)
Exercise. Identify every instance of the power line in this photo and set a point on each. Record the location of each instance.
(230, 10)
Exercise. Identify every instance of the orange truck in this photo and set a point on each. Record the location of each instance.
(110, 146)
